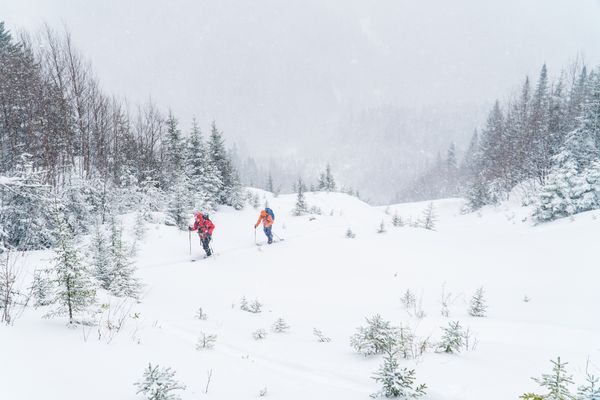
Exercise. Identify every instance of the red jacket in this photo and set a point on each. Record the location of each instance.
(204, 226)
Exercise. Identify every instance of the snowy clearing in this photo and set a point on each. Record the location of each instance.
(318, 278)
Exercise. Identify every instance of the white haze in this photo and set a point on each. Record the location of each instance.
(283, 78)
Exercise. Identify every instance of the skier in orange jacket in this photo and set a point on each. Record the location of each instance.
(267, 218)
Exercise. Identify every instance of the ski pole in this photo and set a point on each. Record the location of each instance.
(254, 235)
(190, 240)
(278, 237)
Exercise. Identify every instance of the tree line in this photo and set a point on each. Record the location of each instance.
(545, 142)
(63, 138)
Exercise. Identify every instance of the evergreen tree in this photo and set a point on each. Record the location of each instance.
(101, 258)
(429, 217)
(175, 150)
(478, 306)
(123, 283)
(301, 207)
(453, 339)
(230, 193)
(159, 384)
(179, 202)
(205, 184)
(572, 186)
(557, 383)
(270, 187)
(397, 220)
(280, 326)
(378, 336)
(396, 382)
(590, 390)
(326, 180)
(75, 292)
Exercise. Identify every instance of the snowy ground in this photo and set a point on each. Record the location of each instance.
(317, 278)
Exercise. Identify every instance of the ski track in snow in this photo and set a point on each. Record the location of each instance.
(317, 278)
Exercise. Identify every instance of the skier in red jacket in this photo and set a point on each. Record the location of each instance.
(205, 229)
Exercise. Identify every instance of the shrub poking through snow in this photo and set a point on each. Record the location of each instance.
(74, 292)
(557, 382)
(263, 392)
(381, 228)
(429, 218)
(201, 315)
(259, 334)
(408, 300)
(255, 307)
(159, 384)
(280, 326)
(206, 341)
(396, 382)
(41, 288)
(244, 306)
(375, 338)
(405, 344)
(453, 339)
(320, 336)
(478, 305)
(590, 390)
(397, 220)
(350, 234)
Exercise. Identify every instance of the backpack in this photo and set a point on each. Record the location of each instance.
(270, 212)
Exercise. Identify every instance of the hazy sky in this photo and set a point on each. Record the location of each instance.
(277, 71)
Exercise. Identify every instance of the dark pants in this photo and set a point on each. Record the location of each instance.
(205, 240)
(269, 233)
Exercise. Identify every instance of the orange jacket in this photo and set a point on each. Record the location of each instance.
(266, 219)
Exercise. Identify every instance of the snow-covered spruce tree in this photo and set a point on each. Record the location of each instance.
(301, 207)
(74, 290)
(590, 390)
(42, 288)
(123, 283)
(230, 193)
(405, 342)
(408, 300)
(205, 183)
(259, 334)
(375, 338)
(255, 307)
(429, 217)
(326, 180)
(453, 339)
(270, 186)
(24, 207)
(159, 384)
(179, 202)
(175, 154)
(280, 326)
(573, 184)
(350, 234)
(478, 306)
(556, 383)
(397, 220)
(101, 261)
(396, 382)
(206, 341)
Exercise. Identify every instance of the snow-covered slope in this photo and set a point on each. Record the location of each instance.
(317, 278)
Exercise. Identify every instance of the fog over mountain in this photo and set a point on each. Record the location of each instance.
(377, 88)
